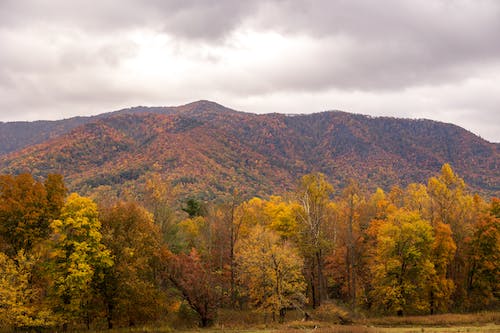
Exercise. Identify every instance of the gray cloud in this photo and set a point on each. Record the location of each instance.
(437, 59)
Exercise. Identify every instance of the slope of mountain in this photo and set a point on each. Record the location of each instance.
(206, 149)
(20, 134)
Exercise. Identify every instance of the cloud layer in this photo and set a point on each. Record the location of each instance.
(404, 58)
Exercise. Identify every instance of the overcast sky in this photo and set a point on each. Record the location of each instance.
(436, 59)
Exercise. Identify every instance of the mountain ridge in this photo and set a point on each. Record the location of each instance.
(204, 147)
(16, 135)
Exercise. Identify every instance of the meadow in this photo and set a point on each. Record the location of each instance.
(252, 322)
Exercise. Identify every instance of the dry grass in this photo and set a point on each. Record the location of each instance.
(365, 329)
(247, 319)
(326, 320)
(449, 319)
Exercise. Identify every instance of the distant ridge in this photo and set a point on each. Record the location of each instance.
(206, 149)
(19, 134)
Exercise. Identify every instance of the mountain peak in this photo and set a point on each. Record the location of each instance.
(203, 106)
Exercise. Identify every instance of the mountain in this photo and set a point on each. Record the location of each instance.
(20, 134)
(206, 149)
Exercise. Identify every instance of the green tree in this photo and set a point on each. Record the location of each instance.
(271, 269)
(194, 208)
(78, 257)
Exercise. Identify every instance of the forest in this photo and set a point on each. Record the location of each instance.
(74, 262)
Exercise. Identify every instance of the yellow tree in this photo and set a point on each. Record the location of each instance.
(402, 266)
(78, 257)
(451, 204)
(441, 285)
(129, 288)
(281, 217)
(446, 192)
(271, 270)
(483, 259)
(158, 198)
(351, 201)
(313, 195)
(195, 232)
(21, 303)
(415, 197)
(350, 261)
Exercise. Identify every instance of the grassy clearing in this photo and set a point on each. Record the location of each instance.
(364, 329)
(449, 319)
(327, 320)
(490, 328)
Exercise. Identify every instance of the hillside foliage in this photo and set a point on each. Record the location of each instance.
(210, 150)
(68, 261)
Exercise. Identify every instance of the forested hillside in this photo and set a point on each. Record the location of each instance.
(72, 262)
(20, 134)
(206, 150)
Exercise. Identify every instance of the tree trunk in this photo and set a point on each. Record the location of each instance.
(313, 291)
(321, 289)
(109, 315)
(431, 302)
(282, 315)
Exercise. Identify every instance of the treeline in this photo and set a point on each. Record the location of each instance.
(71, 261)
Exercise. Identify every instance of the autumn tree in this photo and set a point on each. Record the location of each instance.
(356, 216)
(372, 210)
(78, 257)
(313, 195)
(157, 198)
(196, 232)
(378, 206)
(195, 281)
(26, 208)
(214, 237)
(271, 270)
(129, 287)
(281, 217)
(402, 267)
(416, 198)
(451, 204)
(56, 194)
(21, 302)
(483, 259)
(446, 192)
(234, 224)
(441, 286)
(350, 217)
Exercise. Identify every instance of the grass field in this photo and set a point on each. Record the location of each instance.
(326, 321)
(490, 328)
(249, 322)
